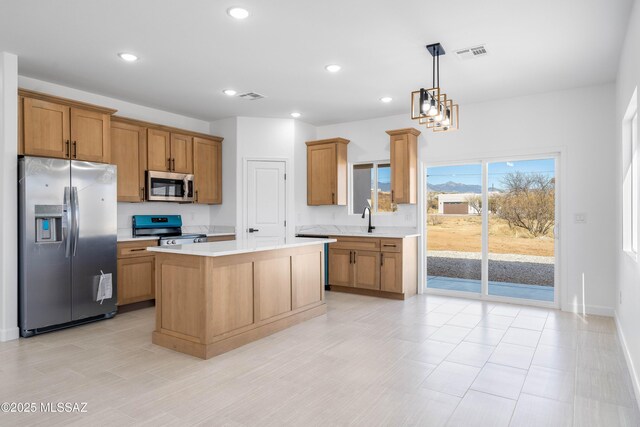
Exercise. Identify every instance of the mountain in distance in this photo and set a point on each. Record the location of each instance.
(455, 187)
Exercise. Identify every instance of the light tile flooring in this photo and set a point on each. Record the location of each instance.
(429, 361)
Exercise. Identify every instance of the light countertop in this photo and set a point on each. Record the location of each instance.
(124, 234)
(235, 247)
(356, 231)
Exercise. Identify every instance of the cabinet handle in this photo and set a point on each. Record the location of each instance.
(169, 164)
(392, 198)
(174, 164)
(142, 193)
(137, 250)
(75, 149)
(350, 257)
(355, 259)
(196, 196)
(333, 198)
(381, 260)
(389, 245)
(67, 148)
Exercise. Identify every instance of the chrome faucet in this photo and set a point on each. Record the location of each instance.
(370, 229)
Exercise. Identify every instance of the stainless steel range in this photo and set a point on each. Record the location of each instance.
(167, 227)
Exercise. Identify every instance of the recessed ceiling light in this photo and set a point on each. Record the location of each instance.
(238, 12)
(386, 99)
(295, 115)
(129, 57)
(333, 68)
(229, 92)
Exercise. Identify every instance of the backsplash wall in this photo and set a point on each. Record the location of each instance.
(191, 214)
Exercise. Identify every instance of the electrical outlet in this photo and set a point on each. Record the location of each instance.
(580, 218)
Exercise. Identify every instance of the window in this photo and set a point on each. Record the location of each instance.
(630, 183)
(371, 186)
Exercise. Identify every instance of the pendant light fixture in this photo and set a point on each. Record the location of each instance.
(432, 107)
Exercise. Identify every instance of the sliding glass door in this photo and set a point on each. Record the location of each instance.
(454, 228)
(506, 250)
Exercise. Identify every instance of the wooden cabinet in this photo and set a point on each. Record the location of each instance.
(62, 128)
(341, 267)
(367, 269)
(327, 172)
(181, 153)
(158, 150)
(136, 280)
(207, 170)
(46, 127)
(90, 135)
(391, 272)
(404, 165)
(373, 266)
(168, 151)
(136, 272)
(129, 153)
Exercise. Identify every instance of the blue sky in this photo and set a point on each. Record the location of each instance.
(471, 174)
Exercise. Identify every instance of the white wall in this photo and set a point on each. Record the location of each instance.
(268, 139)
(8, 196)
(628, 270)
(547, 123)
(225, 214)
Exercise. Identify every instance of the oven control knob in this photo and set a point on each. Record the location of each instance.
(173, 242)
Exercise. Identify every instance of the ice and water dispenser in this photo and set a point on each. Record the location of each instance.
(48, 223)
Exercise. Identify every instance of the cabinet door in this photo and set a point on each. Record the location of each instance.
(46, 129)
(340, 267)
(391, 272)
(129, 153)
(136, 279)
(207, 170)
(158, 150)
(90, 136)
(399, 164)
(181, 153)
(321, 174)
(367, 269)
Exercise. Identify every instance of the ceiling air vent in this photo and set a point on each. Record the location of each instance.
(251, 96)
(472, 52)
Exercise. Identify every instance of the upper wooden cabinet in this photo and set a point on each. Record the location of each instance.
(181, 153)
(129, 153)
(158, 150)
(327, 172)
(62, 128)
(207, 170)
(168, 151)
(404, 165)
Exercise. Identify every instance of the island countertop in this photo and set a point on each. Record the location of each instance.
(235, 247)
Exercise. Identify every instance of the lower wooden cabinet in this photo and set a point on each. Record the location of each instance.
(136, 279)
(391, 272)
(379, 267)
(367, 270)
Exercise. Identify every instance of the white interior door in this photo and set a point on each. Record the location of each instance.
(266, 200)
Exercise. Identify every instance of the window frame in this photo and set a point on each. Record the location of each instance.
(374, 201)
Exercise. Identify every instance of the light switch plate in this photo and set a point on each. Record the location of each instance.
(580, 218)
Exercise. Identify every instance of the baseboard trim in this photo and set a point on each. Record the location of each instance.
(9, 334)
(597, 310)
(627, 356)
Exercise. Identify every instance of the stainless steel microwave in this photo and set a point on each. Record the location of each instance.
(169, 187)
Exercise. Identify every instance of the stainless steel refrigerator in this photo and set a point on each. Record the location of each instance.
(67, 243)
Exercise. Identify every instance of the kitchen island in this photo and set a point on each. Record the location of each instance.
(214, 297)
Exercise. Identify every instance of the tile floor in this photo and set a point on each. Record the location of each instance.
(429, 361)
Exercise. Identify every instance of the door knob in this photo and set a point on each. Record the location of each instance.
(253, 230)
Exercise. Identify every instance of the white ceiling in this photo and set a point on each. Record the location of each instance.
(191, 50)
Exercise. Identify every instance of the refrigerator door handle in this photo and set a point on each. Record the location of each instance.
(76, 218)
(66, 230)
